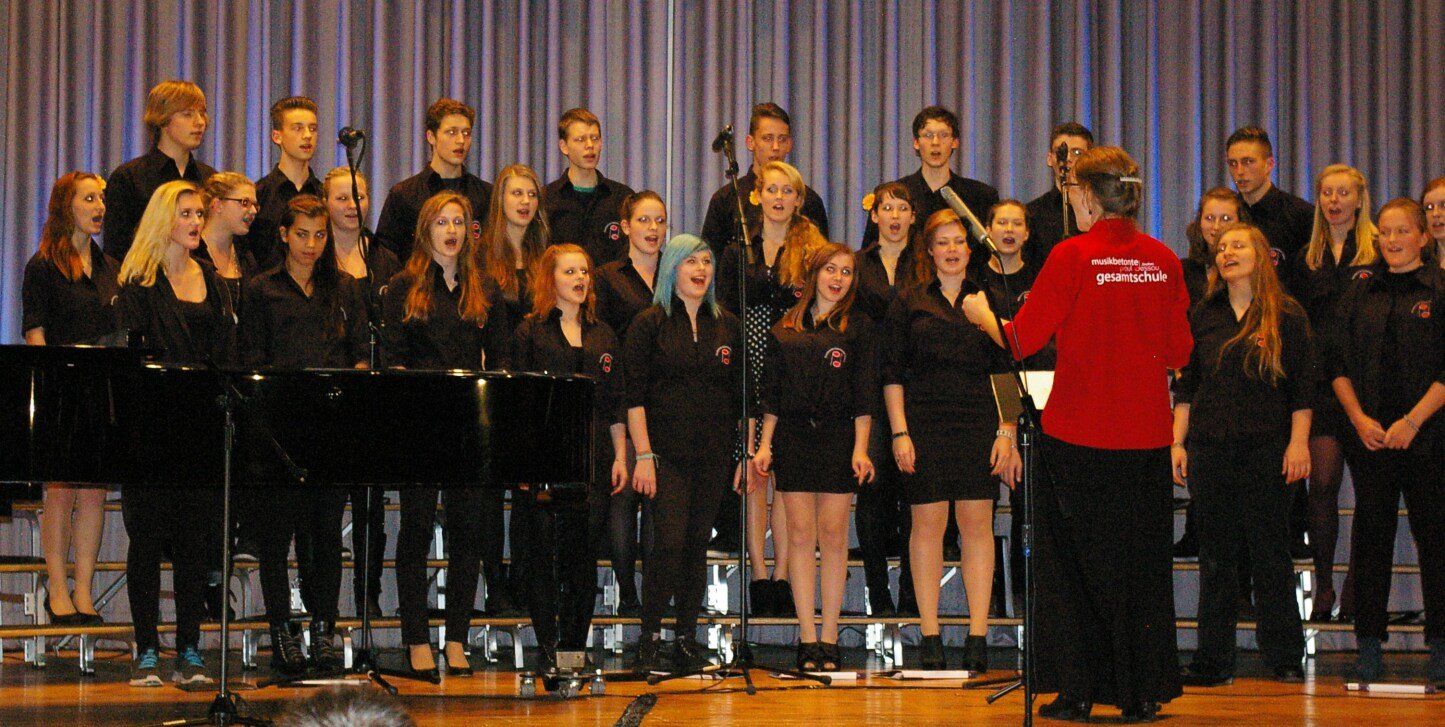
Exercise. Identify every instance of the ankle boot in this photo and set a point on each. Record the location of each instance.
(975, 653)
(324, 654)
(649, 653)
(783, 599)
(286, 656)
(930, 653)
(760, 597)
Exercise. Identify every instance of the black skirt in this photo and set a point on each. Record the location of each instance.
(952, 442)
(814, 456)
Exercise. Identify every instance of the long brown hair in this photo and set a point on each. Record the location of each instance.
(1199, 249)
(544, 287)
(496, 251)
(923, 269)
(837, 317)
(474, 304)
(1260, 332)
(55, 245)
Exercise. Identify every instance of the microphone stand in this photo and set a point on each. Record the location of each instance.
(742, 663)
(1062, 156)
(1029, 429)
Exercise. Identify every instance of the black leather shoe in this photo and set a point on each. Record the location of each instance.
(1191, 676)
(432, 675)
(930, 653)
(760, 597)
(783, 599)
(1067, 709)
(324, 653)
(688, 654)
(649, 654)
(1139, 712)
(1289, 674)
(880, 603)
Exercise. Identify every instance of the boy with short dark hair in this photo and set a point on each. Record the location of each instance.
(294, 129)
(582, 207)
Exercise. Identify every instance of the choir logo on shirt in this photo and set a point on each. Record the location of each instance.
(1421, 310)
(1127, 270)
(613, 231)
(836, 357)
(1362, 274)
(724, 354)
(606, 363)
(476, 231)
(1276, 256)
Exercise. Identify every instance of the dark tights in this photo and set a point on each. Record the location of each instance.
(1327, 468)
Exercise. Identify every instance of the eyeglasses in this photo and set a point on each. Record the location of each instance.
(246, 203)
(936, 135)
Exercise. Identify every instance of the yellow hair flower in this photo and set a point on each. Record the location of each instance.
(753, 198)
(868, 200)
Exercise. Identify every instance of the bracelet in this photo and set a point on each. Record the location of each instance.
(900, 435)
(1003, 433)
(1406, 419)
(646, 455)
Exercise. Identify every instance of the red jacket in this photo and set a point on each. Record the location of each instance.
(1114, 300)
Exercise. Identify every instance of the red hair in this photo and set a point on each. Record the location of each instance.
(544, 289)
(55, 245)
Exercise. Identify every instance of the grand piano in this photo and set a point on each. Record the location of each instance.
(111, 416)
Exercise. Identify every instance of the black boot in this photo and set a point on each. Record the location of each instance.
(688, 654)
(649, 654)
(1067, 709)
(975, 654)
(880, 603)
(324, 654)
(930, 653)
(760, 597)
(286, 656)
(783, 599)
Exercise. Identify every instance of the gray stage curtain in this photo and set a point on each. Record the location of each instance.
(1357, 82)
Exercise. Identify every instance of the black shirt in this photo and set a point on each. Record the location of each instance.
(820, 373)
(1286, 221)
(1229, 403)
(541, 346)
(129, 190)
(621, 294)
(688, 387)
(762, 283)
(397, 224)
(1391, 341)
(932, 349)
(381, 267)
(445, 340)
(285, 328)
(874, 290)
(978, 196)
(1046, 226)
(1319, 290)
(720, 226)
(75, 311)
(1196, 279)
(244, 260)
(273, 193)
(1006, 303)
(186, 333)
(590, 219)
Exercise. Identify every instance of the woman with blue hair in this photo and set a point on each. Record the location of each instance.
(683, 373)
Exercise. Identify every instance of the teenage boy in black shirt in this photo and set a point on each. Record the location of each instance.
(582, 206)
(935, 138)
(449, 133)
(1285, 219)
(1046, 212)
(769, 138)
(294, 129)
(176, 115)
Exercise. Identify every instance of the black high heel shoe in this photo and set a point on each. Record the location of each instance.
(930, 653)
(74, 618)
(432, 675)
(808, 656)
(975, 654)
(829, 657)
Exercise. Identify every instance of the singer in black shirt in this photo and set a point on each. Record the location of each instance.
(1241, 440)
(1285, 219)
(1048, 213)
(449, 133)
(582, 206)
(563, 336)
(294, 131)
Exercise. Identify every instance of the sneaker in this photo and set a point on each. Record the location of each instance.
(143, 673)
(190, 668)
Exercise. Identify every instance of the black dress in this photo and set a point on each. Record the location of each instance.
(944, 363)
(820, 381)
(71, 311)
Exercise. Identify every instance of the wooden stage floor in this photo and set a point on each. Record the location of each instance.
(58, 695)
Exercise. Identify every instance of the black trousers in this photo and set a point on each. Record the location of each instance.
(187, 522)
(1105, 610)
(1242, 504)
(688, 495)
(312, 516)
(629, 537)
(883, 519)
(368, 513)
(1380, 479)
(560, 563)
(463, 529)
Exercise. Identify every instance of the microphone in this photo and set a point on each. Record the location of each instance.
(970, 222)
(724, 138)
(1061, 155)
(349, 137)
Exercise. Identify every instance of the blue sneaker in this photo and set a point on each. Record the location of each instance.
(190, 668)
(143, 673)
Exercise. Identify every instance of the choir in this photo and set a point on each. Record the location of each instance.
(1302, 339)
